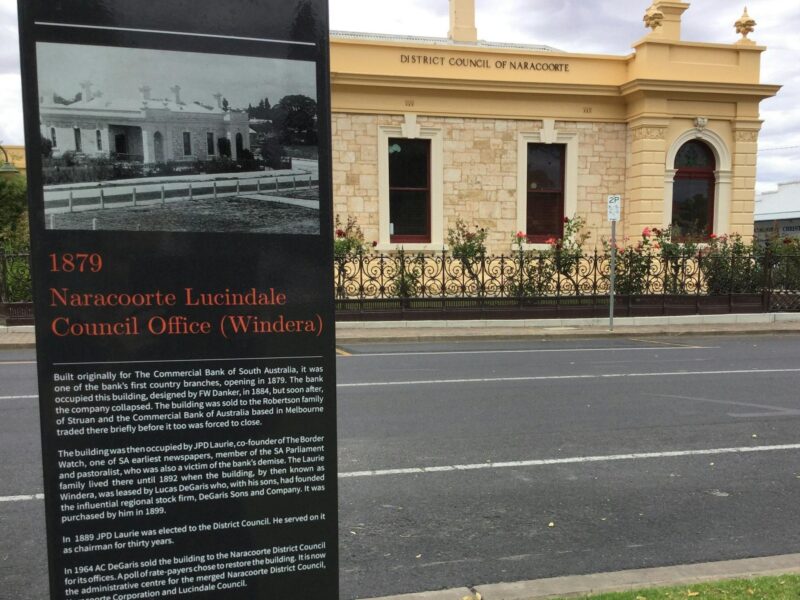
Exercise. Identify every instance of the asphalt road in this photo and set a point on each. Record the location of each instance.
(479, 462)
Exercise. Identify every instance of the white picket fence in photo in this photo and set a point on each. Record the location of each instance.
(107, 195)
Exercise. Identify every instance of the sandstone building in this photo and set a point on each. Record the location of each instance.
(514, 138)
(147, 129)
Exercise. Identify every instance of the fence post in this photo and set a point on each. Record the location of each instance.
(163, 196)
(71, 200)
(258, 185)
(134, 195)
(766, 289)
(238, 187)
(294, 182)
(3, 277)
(190, 191)
(215, 189)
(521, 267)
(102, 198)
(730, 283)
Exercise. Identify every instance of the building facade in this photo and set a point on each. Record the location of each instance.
(515, 138)
(777, 214)
(16, 156)
(146, 129)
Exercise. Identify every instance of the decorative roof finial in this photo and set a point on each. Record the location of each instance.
(653, 18)
(746, 24)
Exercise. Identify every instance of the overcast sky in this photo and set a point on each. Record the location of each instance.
(119, 73)
(594, 26)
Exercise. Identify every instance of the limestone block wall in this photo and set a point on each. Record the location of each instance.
(355, 168)
(480, 171)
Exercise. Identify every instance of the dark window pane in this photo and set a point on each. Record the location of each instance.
(409, 163)
(187, 143)
(546, 167)
(210, 143)
(695, 155)
(691, 205)
(545, 215)
(545, 208)
(78, 141)
(408, 213)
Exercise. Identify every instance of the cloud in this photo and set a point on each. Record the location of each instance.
(409, 17)
(11, 108)
(568, 25)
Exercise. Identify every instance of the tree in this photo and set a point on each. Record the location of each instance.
(271, 152)
(295, 120)
(13, 204)
(262, 111)
(47, 147)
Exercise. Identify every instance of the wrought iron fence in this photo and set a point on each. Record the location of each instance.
(16, 293)
(404, 281)
(15, 278)
(546, 284)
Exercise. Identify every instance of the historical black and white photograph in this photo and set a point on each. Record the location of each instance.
(154, 140)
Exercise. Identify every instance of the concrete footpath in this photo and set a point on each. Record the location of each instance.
(501, 329)
(583, 585)
(411, 331)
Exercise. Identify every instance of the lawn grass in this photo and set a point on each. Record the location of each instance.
(786, 587)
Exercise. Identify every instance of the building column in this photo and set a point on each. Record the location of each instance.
(231, 135)
(105, 138)
(744, 177)
(147, 146)
(643, 204)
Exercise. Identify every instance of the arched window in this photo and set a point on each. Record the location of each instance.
(693, 192)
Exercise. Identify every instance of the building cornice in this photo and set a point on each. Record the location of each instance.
(752, 90)
(521, 87)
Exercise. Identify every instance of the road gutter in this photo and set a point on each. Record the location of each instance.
(620, 581)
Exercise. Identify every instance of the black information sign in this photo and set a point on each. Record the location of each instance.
(180, 204)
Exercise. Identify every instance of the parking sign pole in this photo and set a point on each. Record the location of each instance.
(614, 211)
(612, 290)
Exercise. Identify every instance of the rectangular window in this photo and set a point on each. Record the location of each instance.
(409, 190)
(545, 189)
(99, 141)
(78, 140)
(53, 137)
(210, 143)
(187, 143)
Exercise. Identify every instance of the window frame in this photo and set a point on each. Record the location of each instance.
(546, 135)
(411, 239)
(187, 133)
(411, 131)
(78, 139)
(723, 191)
(210, 144)
(99, 140)
(707, 174)
(559, 233)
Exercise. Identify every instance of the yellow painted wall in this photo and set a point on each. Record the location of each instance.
(656, 94)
